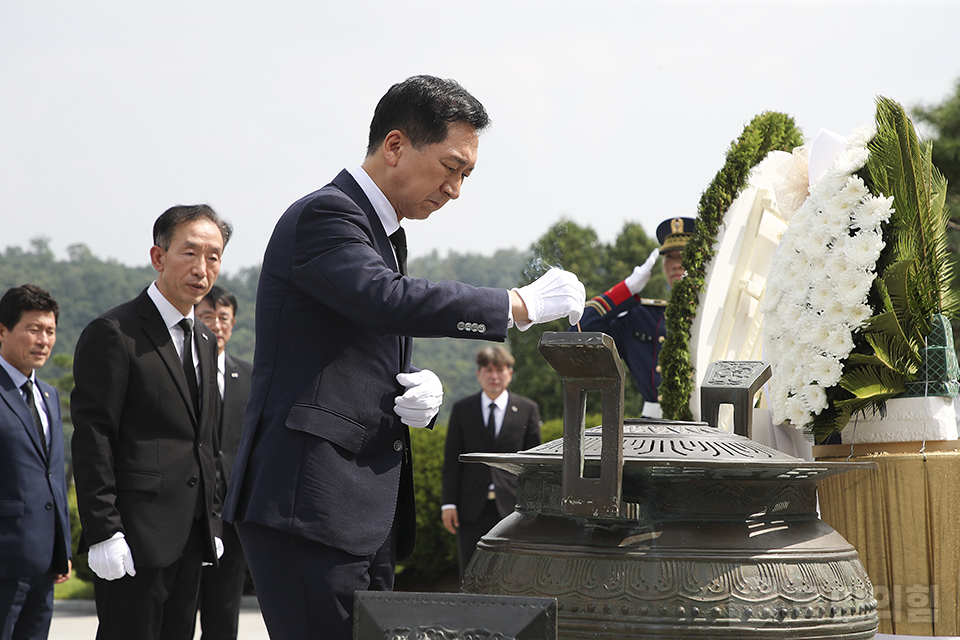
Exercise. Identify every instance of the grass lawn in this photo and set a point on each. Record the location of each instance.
(73, 589)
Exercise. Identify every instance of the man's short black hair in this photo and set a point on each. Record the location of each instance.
(222, 296)
(423, 107)
(26, 297)
(495, 355)
(166, 225)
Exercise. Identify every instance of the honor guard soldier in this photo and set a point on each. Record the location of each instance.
(637, 324)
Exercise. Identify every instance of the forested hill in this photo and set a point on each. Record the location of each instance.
(85, 286)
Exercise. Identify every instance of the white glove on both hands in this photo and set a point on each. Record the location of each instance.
(637, 280)
(422, 399)
(111, 559)
(555, 294)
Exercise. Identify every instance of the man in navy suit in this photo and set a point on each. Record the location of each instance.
(34, 522)
(476, 496)
(322, 490)
(221, 588)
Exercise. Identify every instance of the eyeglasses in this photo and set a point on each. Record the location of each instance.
(210, 320)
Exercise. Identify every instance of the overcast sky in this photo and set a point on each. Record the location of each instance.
(604, 112)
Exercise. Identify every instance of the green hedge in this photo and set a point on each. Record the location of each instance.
(435, 557)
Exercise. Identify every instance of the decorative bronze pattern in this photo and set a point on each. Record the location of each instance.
(663, 591)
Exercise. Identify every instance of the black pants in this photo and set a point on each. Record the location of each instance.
(221, 589)
(469, 533)
(306, 588)
(155, 604)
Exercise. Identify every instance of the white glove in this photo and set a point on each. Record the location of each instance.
(111, 559)
(555, 294)
(219, 544)
(637, 280)
(422, 399)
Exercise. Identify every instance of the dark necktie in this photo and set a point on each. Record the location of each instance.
(188, 369)
(492, 421)
(399, 240)
(31, 403)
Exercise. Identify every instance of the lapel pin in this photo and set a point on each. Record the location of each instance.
(204, 336)
(46, 395)
(234, 374)
(513, 408)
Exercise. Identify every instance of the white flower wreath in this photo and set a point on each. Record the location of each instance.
(818, 284)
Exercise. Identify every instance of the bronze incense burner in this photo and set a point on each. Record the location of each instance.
(663, 529)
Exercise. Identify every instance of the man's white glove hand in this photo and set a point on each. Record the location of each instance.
(422, 399)
(637, 280)
(555, 294)
(111, 559)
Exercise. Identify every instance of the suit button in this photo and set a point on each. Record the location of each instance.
(49, 506)
(397, 446)
(192, 482)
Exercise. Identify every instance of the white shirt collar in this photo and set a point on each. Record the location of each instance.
(16, 375)
(500, 400)
(171, 316)
(385, 210)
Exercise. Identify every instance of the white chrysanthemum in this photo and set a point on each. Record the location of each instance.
(795, 412)
(824, 188)
(849, 197)
(824, 370)
(816, 336)
(851, 160)
(839, 342)
(814, 398)
(853, 287)
(858, 314)
(872, 213)
(822, 297)
(862, 250)
(862, 136)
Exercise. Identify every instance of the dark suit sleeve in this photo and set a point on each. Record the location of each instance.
(101, 373)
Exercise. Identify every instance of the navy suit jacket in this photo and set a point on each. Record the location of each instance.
(33, 486)
(466, 484)
(323, 455)
(140, 452)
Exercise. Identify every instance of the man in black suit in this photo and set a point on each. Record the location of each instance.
(34, 522)
(475, 496)
(221, 588)
(322, 490)
(145, 412)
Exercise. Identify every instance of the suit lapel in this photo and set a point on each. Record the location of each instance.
(14, 399)
(157, 332)
(346, 183)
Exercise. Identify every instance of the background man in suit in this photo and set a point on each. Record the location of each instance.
(322, 490)
(221, 588)
(146, 408)
(637, 324)
(475, 496)
(34, 523)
